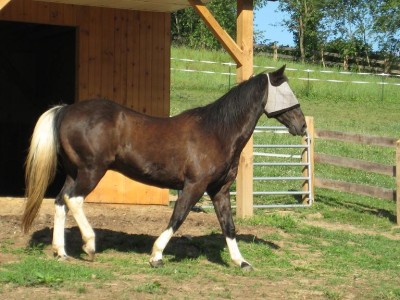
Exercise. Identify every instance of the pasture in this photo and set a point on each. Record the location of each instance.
(344, 247)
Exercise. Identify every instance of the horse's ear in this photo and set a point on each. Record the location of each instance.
(280, 71)
(277, 75)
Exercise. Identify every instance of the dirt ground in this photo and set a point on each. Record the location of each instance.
(115, 225)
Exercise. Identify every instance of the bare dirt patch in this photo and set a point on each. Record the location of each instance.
(127, 228)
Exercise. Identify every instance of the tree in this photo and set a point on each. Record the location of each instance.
(387, 29)
(304, 19)
(350, 27)
(188, 29)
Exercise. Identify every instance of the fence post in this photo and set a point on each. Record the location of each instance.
(398, 181)
(244, 180)
(308, 171)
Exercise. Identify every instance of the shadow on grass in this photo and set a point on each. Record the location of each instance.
(358, 207)
(181, 248)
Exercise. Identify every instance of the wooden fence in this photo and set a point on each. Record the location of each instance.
(373, 191)
(334, 59)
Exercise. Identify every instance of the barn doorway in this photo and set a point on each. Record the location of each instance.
(37, 70)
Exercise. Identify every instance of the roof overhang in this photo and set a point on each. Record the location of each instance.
(143, 5)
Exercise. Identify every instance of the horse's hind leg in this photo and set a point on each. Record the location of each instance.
(189, 197)
(75, 204)
(84, 184)
(61, 211)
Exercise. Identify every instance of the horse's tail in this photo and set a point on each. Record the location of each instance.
(41, 164)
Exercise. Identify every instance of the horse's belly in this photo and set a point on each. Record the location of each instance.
(156, 174)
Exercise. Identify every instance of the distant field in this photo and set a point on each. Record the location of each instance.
(344, 106)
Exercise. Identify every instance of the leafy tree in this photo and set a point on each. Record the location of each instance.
(351, 23)
(188, 29)
(304, 20)
(386, 26)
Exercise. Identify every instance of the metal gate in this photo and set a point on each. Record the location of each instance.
(304, 158)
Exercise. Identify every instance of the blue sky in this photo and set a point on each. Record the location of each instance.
(267, 20)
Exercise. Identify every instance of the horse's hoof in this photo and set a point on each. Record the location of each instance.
(90, 256)
(157, 263)
(89, 252)
(246, 267)
(61, 257)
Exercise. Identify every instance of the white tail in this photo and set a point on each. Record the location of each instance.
(41, 164)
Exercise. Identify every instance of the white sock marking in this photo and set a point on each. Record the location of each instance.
(234, 251)
(75, 204)
(58, 231)
(160, 245)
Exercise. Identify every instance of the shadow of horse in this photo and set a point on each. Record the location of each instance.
(181, 248)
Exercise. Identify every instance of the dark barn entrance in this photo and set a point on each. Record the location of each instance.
(37, 70)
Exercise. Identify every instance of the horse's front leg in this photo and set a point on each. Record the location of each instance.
(223, 210)
(185, 202)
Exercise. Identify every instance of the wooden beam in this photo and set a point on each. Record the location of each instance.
(3, 3)
(356, 188)
(308, 171)
(227, 42)
(355, 138)
(244, 180)
(358, 164)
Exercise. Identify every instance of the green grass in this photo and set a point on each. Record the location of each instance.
(34, 270)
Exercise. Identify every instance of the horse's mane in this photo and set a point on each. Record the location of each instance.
(226, 113)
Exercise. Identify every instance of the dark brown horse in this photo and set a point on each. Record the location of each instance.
(197, 151)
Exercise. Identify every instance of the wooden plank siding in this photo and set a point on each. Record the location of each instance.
(122, 55)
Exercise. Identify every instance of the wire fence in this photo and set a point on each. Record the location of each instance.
(380, 80)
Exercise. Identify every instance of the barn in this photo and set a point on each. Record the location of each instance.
(62, 51)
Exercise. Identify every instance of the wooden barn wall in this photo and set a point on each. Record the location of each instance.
(122, 55)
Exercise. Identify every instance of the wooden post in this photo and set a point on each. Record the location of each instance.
(398, 181)
(275, 48)
(304, 158)
(3, 3)
(244, 180)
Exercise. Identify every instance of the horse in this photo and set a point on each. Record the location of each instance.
(196, 151)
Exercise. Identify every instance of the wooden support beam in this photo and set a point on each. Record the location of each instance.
(3, 3)
(308, 171)
(244, 180)
(227, 42)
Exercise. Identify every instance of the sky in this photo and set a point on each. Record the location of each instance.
(267, 20)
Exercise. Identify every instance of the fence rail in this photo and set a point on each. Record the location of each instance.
(373, 191)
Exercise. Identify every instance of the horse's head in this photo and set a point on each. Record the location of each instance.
(280, 103)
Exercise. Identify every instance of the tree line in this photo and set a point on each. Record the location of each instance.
(360, 29)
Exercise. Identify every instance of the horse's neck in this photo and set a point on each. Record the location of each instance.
(249, 122)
